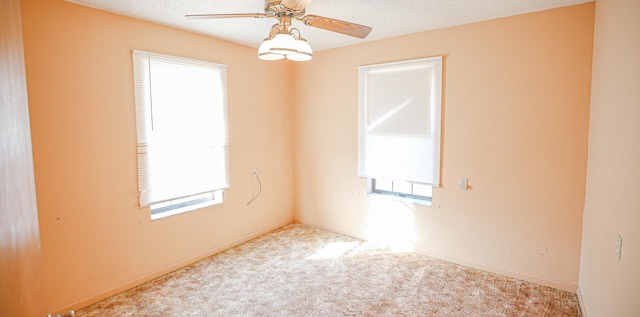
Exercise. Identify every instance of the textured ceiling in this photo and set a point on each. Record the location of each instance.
(387, 18)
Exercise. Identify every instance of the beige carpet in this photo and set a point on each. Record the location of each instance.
(299, 270)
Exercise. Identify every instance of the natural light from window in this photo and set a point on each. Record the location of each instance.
(391, 224)
(333, 250)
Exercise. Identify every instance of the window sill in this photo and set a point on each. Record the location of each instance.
(400, 199)
(178, 211)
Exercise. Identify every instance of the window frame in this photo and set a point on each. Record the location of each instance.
(366, 124)
(174, 201)
(178, 206)
(399, 194)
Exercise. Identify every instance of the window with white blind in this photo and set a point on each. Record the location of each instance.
(399, 106)
(181, 114)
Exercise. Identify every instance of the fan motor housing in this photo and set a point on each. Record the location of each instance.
(275, 7)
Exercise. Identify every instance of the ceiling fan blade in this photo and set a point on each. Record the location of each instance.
(295, 5)
(347, 28)
(226, 16)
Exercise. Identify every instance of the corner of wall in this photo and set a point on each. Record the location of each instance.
(581, 304)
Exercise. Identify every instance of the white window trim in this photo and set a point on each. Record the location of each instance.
(435, 105)
(218, 198)
(144, 111)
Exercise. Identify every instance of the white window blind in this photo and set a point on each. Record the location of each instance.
(181, 108)
(399, 120)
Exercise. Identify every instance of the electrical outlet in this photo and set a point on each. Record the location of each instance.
(463, 183)
(257, 171)
(618, 247)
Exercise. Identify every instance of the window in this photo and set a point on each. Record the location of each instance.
(181, 108)
(401, 189)
(399, 126)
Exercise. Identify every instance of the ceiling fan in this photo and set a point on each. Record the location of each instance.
(285, 41)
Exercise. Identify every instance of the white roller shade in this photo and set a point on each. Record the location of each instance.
(399, 120)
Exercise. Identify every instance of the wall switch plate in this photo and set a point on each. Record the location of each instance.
(463, 183)
(618, 247)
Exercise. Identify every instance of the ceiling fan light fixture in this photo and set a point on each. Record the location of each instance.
(285, 43)
(270, 56)
(300, 57)
(264, 51)
(303, 46)
(304, 52)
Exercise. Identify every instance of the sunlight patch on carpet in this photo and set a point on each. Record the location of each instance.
(392, 227)
(333, 250)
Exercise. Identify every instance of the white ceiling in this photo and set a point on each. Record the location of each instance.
(388, 18)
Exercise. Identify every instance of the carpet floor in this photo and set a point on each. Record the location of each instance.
(299, 270)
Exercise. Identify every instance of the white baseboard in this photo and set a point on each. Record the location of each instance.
(571, 288)
(331, 228)
(583, 310)
(466, 262)
(176, 266)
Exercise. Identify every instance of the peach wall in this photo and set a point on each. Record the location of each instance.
(515, 122)
(20, 266)
(609, 287)
(96, 241)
